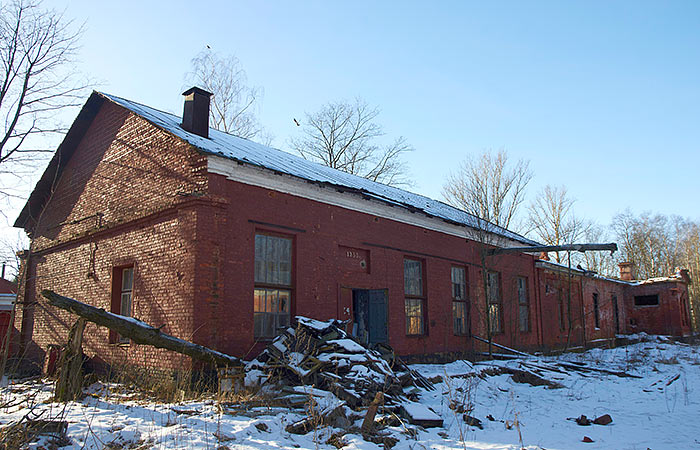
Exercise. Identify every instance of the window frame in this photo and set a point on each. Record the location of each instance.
(117, 299)
(521, 304)
(646, 305)
(462, 302)
(498, 304)
(270, 287)
(411, 299)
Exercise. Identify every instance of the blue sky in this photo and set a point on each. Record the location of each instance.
(602, 97)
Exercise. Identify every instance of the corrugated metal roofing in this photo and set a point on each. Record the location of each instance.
(243, 150)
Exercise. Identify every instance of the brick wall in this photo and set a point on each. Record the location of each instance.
(610, 318)
(123, 168)
(323, 280)
(669, 317)
(147, 188)
(561, 309)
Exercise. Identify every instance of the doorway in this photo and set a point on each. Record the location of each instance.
(370, 316)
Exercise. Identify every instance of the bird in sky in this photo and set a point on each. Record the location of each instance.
(296, 122)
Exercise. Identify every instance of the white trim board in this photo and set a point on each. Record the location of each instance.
(287, 184)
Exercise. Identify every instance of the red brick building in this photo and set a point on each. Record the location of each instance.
(220, 241)
(8, 295)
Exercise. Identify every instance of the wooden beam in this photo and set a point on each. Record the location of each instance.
(140, 332)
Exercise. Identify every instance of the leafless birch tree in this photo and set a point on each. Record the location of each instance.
(233, 104)
(345, 136)
(37, 81)
(552, 220)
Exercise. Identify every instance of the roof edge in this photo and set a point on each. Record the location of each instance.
(42, 191)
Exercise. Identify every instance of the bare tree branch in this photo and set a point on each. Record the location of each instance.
(552, 219)
(233, 101)
(487, 187)
(345, 136)
(37, 50)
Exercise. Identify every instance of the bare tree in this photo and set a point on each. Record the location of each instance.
(491, 190)
(37, 51)
(488, 187)
(233, 103)
(10, 245)
(552, 219)
(345, 136)
(690, 259)
(648, 241)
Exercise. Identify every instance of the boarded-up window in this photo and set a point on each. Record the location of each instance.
(413, 290)
(523, 305)
(273, 284)
(493, 294)
(460, 318)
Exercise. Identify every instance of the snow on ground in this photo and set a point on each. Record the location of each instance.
(657, 411)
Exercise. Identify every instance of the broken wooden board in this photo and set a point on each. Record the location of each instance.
(418, 414)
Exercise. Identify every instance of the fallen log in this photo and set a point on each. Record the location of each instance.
(138, 331)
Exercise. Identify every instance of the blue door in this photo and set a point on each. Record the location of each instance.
(378, 330)
(370, 311)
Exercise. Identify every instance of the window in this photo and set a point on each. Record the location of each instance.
(596, 311)
(646, 300)
(414, 292)
(460, 322)
(273, 284)
(122, 296)
(523, 305)
(493, 295)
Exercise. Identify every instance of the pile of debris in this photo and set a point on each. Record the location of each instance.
(321, 354)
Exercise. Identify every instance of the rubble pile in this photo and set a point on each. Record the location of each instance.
(321, 354)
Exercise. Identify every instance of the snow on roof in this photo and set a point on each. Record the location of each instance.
(243, 150)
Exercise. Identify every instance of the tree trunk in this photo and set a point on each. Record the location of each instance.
(70, 376)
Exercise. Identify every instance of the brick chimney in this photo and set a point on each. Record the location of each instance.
(195, 117)
(684, 274)
(626, 271)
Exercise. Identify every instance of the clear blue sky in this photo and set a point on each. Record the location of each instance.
(603, 97)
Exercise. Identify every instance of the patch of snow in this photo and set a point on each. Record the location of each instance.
(658, 410)
(348, 345)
